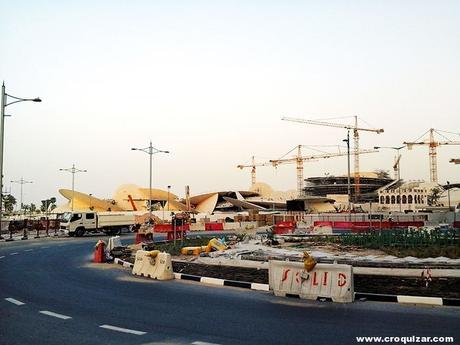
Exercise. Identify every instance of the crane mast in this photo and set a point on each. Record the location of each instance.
(253, 166)
(396, 167)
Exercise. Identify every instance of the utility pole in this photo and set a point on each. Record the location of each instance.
(73, 171)
(22, 182)
(150, 150)
(448, 194)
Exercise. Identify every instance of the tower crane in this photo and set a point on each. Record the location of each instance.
(253, 166)
(355, 129)
(396, 168)
(299, 160)
(432, 151)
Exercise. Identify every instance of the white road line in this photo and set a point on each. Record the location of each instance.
(124, 330)
(1, 257)
(15, 253)
(59, 316)
(28, 250)
(203, 343)
(14, 301)
(43, 247)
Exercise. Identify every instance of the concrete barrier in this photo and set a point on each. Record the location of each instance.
(159, 267)
(325, 280)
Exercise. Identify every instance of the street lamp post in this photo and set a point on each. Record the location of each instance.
(21, 182)
(398, 162)
(73, 171)
(4, 103)
(150, 150)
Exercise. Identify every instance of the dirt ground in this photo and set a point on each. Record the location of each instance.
(335, 248)
(438, 287)
(223, 272)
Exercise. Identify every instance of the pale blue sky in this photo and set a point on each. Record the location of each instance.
(210, 80)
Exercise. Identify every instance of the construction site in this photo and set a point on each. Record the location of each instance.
(371, 221)
(229, 173)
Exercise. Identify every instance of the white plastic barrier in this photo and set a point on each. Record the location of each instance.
(159, 267)
(322, 230)
(196, 227)
(325, 280)
(114, 241)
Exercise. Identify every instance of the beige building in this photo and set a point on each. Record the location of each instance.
(130, 197)
(400, 195)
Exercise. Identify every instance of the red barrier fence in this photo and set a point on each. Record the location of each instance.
(284, 227)
(213, 226)
(364, 226)
(169, 230)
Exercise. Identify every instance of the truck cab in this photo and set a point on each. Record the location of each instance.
(77, 223)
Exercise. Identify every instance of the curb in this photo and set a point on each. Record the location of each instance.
(222, 282)
(358, 295)
(123, 263)
(408, 299)
(207, 280)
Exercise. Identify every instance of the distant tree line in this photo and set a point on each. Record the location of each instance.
(10, 201)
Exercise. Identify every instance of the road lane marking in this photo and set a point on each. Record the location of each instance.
(28, 250)
(124, 330)
(203, 343)
(1, 257)
(43, 247)
(59, 316)
(15, 253)
(14, 301)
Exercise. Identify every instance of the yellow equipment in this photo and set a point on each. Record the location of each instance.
(191, 250)
(213, 245)
(309, 262)
(153, 253)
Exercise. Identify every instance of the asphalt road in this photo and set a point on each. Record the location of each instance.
(67, 299)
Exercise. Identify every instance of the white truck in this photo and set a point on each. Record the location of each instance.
(112, 223)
